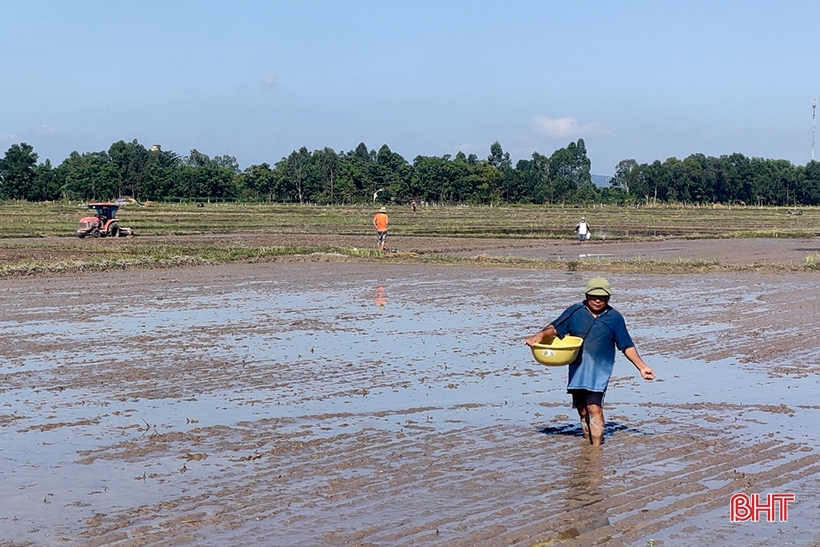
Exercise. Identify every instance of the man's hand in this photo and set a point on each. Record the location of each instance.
(545, 334)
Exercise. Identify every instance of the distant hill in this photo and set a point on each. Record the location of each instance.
(601, 181)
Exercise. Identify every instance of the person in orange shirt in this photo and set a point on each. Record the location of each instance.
(380, 223)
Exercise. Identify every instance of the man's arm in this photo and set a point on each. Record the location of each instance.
(631, 353)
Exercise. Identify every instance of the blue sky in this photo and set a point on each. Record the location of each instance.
(640, 80)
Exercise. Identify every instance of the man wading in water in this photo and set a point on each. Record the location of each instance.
(603, 329)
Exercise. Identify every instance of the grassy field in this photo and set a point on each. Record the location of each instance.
(32, 220)
(39, 238)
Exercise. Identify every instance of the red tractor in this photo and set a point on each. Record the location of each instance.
(104, 223)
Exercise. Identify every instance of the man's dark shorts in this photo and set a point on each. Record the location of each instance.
(583, 397)
(382, 237)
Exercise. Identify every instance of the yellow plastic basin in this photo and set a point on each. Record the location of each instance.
(558, 351)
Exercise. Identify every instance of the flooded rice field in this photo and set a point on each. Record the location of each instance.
(368, 404)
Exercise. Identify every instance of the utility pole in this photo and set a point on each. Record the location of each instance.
(813, 125)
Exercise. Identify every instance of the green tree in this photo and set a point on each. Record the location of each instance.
(90, 176)
(539, 178)
(430, 178)
(580, 163)
(46, 185)
(485, 181)
(197, 159)
(390, 173)
(206, 182)
(498, 158)
(808, 191)
(131, 160)
(570, 170)
(160, 175)
(773, 181)
(737, 176)
(160, 182)
(258, 183)
(17, 171)
(625, 173)
(325, 166)
(293, 183)
(226, 162)
(563, 180)
(508, 181)
(355, 174)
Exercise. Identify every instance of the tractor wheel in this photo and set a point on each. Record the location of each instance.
(95, 233)
(114, 230)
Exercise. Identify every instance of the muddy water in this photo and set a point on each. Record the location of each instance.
(330, 404)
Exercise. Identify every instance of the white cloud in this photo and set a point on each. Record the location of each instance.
(46, 131)
(6, 137)
(565, 128)
(269, 80)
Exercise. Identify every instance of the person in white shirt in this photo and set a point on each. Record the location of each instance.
(583, 230)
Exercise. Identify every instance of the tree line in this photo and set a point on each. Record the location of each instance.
(363, 175)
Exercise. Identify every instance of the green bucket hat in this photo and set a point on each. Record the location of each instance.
(598, 286)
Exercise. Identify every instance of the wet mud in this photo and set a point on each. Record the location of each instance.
(324, 403)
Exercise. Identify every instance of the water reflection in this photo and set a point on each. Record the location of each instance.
(584, 493)
(381, 297)
(584, 479)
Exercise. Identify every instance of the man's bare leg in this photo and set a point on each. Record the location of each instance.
(583, 414)
(595, 415)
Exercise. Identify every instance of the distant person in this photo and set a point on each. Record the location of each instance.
(380, 223)
(603, 330)
(583, 230)
(413, 206)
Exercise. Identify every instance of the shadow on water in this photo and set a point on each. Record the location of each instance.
(574, 430)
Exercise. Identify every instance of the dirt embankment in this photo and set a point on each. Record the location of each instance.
(773, 252)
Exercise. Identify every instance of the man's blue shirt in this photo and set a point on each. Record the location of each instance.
(593, 366)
